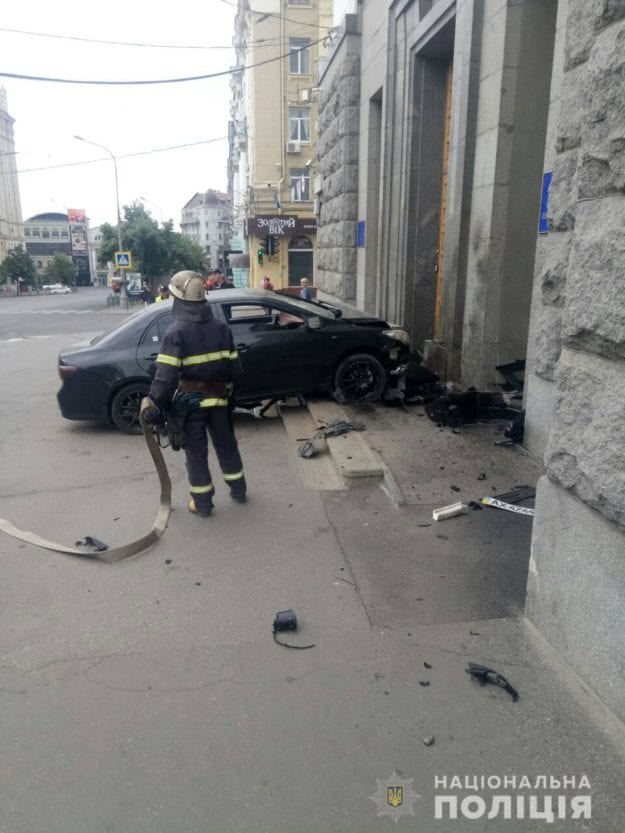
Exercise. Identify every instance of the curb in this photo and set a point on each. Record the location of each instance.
(356, 462)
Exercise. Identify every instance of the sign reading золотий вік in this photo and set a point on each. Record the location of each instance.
(281, 225)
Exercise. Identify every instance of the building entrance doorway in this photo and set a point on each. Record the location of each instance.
(300, 260)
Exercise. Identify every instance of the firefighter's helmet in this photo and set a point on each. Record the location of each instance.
(188, 286)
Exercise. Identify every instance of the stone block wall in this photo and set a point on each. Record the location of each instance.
(337, 149)
(575, 591)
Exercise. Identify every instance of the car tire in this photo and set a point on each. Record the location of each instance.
(126, 405)
(359, 378)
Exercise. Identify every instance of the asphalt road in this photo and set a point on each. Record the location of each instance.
(148, 696)
(35, 315)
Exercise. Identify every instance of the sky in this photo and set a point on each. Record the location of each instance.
(127, 120)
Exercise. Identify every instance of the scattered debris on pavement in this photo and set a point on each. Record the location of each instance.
(424, 683)
(517, 494)
(286, 620)
(509, 507)
(450, 511)
(90, 541)
(486, 675)
(334, 428)
(429, 741)
(427, 665)
(455, 408)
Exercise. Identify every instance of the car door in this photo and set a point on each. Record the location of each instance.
(151, 340)
(279, 352)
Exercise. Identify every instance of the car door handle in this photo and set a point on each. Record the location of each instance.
(241, 347)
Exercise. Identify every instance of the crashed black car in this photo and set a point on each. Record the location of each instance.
(287, 347)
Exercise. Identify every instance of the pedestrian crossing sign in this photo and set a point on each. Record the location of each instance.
(123, 260)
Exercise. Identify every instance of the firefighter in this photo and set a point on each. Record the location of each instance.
(195, 371)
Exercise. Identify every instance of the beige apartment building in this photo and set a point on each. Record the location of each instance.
(273, 137)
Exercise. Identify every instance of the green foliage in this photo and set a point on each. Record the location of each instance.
(156, 251)
(60, 269)
(17, 264)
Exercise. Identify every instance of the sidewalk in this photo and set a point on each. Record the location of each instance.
(454, 592)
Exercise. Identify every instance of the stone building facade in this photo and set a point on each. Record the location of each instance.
(464, 111)
(576, 385)
(338, 146)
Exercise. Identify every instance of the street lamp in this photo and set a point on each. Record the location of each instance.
(160, 210)
(119, 219)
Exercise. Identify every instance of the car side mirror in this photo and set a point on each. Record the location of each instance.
(314, 322)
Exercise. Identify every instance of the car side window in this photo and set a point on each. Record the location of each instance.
(248, 317)
(156, 331)
(287, 319)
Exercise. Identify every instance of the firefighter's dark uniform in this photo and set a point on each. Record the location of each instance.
(198, 356)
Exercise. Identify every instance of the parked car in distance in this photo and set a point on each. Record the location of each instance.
(60, 289)
(287, 347)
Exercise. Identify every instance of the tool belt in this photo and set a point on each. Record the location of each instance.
(209, 388)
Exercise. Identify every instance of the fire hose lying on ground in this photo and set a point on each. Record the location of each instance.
(101, 552)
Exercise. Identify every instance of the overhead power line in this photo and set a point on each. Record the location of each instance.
(120, 156)
(219, 74)
(260, 41)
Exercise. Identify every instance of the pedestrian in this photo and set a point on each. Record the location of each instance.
(163, 294)
(266, 283)
(146, 294)
(305, 292)
(195, 371)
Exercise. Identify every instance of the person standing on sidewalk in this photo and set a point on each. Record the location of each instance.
(195, 371)
(305, 292)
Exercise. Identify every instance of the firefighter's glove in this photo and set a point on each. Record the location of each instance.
(153, 415)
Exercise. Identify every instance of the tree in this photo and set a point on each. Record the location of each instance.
(18, 264)
(60, 269)
(156, 251)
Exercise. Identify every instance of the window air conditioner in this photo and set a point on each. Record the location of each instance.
(292, 147)
(304, 95)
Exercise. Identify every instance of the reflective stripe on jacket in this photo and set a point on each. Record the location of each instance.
(196, 346)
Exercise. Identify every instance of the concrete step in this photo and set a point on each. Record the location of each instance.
(356, 463)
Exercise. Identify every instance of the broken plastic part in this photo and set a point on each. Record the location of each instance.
(88, 541)
(486, 675)
(450, 511)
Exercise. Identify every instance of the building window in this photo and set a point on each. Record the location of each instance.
(45, 233)
(26, 232)
(300, 184)
(65, 234)
(36, 232)
(299, 56)
(300, 2)
(299, 124)
(39, 264)
(55, 235)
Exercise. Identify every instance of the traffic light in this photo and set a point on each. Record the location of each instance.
(259, 256)
(274, 245)
(266, 245)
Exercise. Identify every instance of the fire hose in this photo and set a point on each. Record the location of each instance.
(134, 547)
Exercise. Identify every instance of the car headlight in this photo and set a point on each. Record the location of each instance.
(398, 335)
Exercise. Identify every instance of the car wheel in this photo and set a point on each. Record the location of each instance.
(126, 405)
(359, 378)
